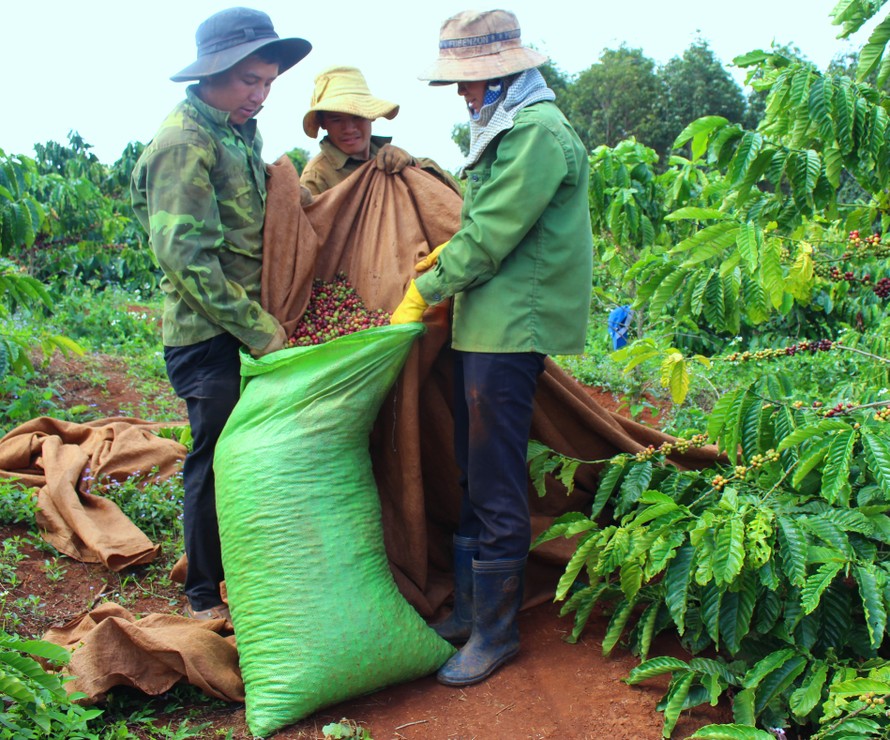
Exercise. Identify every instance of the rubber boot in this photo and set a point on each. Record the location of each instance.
(457, 626)
(497, 595)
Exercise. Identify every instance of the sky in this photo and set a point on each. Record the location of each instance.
(102, 67)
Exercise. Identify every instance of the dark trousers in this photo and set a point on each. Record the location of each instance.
(207, 377)
(493, 395)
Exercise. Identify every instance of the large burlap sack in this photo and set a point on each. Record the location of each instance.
(317, 614)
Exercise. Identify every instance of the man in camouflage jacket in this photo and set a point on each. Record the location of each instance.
(199, 190)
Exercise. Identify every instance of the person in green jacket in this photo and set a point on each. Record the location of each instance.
(520, 272)
(199, 189)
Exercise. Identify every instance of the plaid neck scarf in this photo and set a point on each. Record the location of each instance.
(526, 88)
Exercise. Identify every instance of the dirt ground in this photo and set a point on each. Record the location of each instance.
(553, 689)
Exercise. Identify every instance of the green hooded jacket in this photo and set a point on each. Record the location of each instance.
(199, 189)
(520, 267)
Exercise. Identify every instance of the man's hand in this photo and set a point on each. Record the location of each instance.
(305, 196)
(392, 160)
(411, 308)
(427, 262)
(279, 339)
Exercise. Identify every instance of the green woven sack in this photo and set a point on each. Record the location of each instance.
(317, 615)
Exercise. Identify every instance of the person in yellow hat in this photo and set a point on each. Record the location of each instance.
(343, 106)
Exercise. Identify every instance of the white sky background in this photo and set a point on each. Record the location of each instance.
(102, 67)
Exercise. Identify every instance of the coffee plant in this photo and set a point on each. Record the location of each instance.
(773, 561)
(36, 704)
(334, 310)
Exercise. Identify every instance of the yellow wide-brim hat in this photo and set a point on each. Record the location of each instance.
(344, 90)
(476, 46)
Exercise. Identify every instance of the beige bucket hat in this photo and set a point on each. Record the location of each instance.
(483, 45)
(344, 90)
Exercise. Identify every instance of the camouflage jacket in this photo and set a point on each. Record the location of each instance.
(331, 166)
(199, 190)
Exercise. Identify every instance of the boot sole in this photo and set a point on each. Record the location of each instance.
(480, 678)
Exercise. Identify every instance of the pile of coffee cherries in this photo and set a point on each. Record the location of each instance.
(334, 310)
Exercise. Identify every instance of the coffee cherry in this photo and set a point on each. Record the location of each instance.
(334, 310)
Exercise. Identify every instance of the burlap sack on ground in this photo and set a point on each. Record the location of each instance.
(55, 456)
(110, 647)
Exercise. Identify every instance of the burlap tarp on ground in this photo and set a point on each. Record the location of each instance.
(57, 457)
(372, 227)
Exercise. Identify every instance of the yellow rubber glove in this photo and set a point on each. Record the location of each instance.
(392, 159)
(427, 262)
(411, 308)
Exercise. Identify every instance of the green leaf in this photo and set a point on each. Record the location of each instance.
(743, 707)
(655, 667)
(834, 164)
(675, 376)
(836, 486)
(722, 233)
(748, 240)
(805, 433)
(775, 683)
(676, 584)
(646, 627)
(857, 686)
(766, 665)
(814, 456)
(578, 560)
(711, 667)
(736, 609)
(793, 548)
(730, 553)
(676, 699)
(694, 213)
(720, 415)
(700, 126)
(616, 626)
(871, 53)
(816, 585)
(772, 279)
(731, 732)
(39, 648)
(746, 152)
(582, 603)
(844, 105)
(829, 532)
(872, 603)
(566, 525)
(31, 670)
(711, 247)
(653, 510)
(608, 480)
(631, 577)
(666, 290)
(715, 302)
(877, 457)
(632, 486)
(804, 699)
(711, 597)
(751, 423)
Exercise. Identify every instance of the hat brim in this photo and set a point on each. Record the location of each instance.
(363, 106)
(291, 51)
(487, 67)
